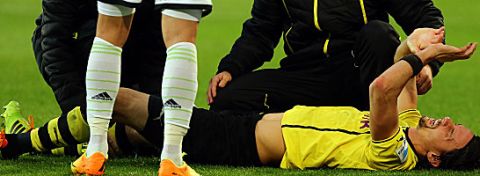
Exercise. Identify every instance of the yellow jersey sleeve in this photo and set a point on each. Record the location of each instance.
(393, 153)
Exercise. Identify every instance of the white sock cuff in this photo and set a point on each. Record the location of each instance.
(185, 45)
(98, 40)
(114, 9)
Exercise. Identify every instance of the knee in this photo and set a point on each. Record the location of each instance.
(178, 30)
(114, 29)
(380, 32)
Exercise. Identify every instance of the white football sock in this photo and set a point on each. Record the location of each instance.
(102, 82)
(179, 88)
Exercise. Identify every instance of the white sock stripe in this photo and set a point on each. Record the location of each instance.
(106, 47)
(106, 66)
(177, 97)
(104, 56)
(103, 90)
(110, 78)
(104, 71)
(100, 107)
(93, 50)
(100, 86)
(100, 42)
(98, 101)
(177, 119)
(177, 124)
(183, 46)
(182, 79)
(97, 50)
(99, 110)
(180, 88)
(178, 109)
(104, 81)
(182, 74)
(179, 57)
(105, 52)
(183, 52)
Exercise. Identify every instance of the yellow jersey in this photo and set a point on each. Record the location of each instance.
(339, 137)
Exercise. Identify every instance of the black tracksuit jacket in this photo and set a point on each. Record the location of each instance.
(307, 25)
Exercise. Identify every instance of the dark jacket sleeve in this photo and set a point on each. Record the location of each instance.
(413, 14)
(61, 50)
(259, 37)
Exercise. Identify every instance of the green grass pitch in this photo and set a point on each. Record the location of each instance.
(455, 93)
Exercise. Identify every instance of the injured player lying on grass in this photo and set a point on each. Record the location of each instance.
(392, 136)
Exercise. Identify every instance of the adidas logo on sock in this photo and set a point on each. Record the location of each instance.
(172, 104)
(102, 96)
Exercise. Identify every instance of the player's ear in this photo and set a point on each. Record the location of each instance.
(434, 159)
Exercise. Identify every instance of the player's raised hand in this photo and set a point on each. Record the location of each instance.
(219, 80)
(423, 37)
(447, 53)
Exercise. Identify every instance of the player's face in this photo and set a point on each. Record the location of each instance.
(444, 135)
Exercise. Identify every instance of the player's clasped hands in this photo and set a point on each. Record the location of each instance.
(421, 38)
(431, 39)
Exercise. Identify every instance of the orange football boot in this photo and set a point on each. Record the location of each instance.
(168, 168)
(93, 165)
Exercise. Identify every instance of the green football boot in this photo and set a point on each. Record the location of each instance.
(12, 120)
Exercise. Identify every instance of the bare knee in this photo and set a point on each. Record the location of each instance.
(114, 29)
(178, 30)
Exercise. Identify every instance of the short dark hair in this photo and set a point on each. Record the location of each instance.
(467, 157)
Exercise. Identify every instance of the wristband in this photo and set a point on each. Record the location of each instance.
(415, 62)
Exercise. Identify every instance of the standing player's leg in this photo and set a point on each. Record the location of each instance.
(103, 82)
(179, 83)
